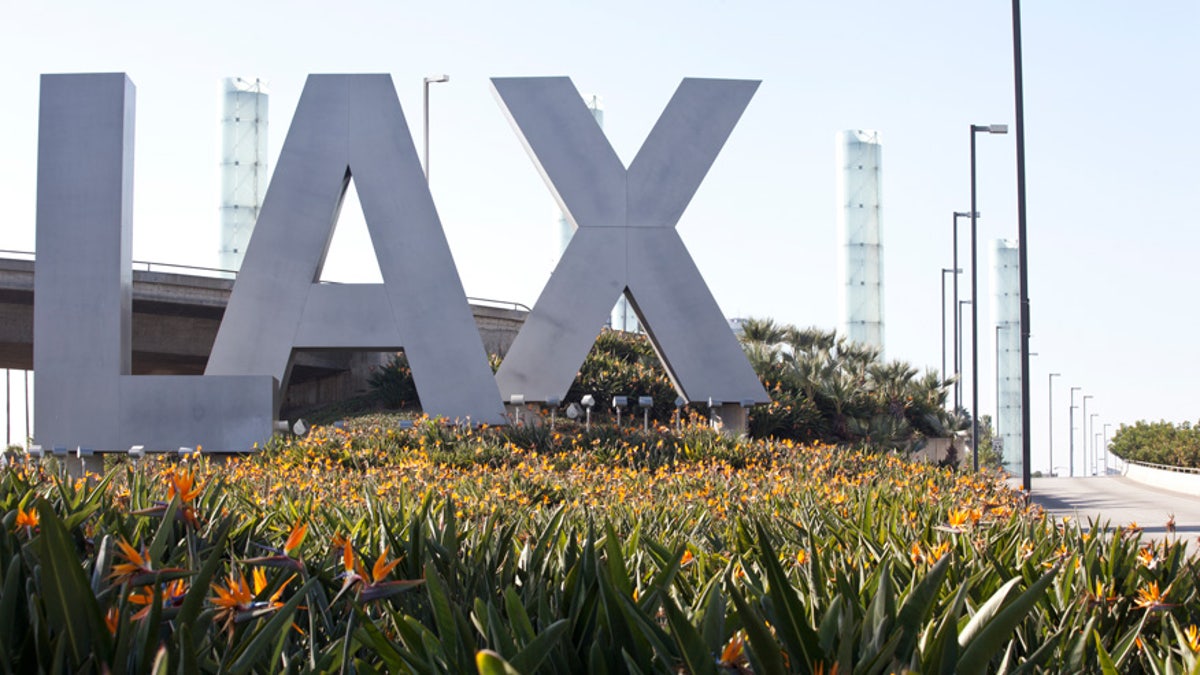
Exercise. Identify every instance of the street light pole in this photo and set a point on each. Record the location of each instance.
(428, 81)
(1071, 463)
(1083, 423)
(1092, 426)
(1050, 413)
(990, 129)
(944, 272)
(1022, 239)
(996, 428)
(957, 326)
(960, 330)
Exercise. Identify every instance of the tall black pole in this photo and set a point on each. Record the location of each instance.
(974, 319)
(996, 424)
(954, 307)
(1022, 245)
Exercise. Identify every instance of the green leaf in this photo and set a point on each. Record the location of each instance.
(70, 605)
(270, 632)
(791, 619)
(193, 602)
(997, 632)
(986, 611)
(443, 614)
(531, 657)
(763, 647)
(1107, 667)
(696, 656)
(166, 532)
(517, 616)
(918, 606)
(378, 642)
(877, 624)
(941, 655)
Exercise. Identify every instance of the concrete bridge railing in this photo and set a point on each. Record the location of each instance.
(1174, 478)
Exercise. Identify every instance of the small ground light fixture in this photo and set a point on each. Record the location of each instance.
(137, 452)
(645, 403)
(517, 401)
(618, 403)
(81, 452)
(553, 402)
(36, 451)
(588, 401)
(59, 451)
(714, 419)
(679, 403)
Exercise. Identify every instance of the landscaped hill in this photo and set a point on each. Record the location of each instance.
(437, 550)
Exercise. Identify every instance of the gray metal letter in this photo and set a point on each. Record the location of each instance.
(353, 125)
(626, 241)
(84, 393)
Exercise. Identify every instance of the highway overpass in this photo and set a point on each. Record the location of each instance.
(176, 313)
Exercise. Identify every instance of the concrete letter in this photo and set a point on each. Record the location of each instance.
(84, 394)
(626, 241)
(352, 125)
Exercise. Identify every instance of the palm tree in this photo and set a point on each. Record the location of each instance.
(858, 394)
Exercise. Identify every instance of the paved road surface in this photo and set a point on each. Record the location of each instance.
(1120, 501)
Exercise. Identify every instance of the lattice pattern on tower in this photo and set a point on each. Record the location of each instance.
(243, 165)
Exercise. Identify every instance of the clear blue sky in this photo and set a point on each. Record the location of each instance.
(1111, 94)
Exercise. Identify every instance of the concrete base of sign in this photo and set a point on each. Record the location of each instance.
(735, 420)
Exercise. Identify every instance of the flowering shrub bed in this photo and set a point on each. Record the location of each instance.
(525, 550)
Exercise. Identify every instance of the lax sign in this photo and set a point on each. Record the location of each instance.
(353, 125)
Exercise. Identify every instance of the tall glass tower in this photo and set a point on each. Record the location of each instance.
(243, 166)
(1006, 310)
(859, 230)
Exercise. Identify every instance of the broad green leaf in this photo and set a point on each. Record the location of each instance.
(986, 611)
(1107, 667)
(764, 650)
(696, 656)
(997, 632)
(918, 606)
(531, 657)
(70, 605)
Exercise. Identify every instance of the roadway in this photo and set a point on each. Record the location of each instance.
(1120, 501)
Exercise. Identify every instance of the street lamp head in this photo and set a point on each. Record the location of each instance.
(437, 78)
(990, 128)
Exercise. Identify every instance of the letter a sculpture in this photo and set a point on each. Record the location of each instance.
(626, 240)
(352, 125)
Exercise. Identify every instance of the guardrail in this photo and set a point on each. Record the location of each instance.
(144, 265)
(507, 304)
(1164, 467)
(150, 266)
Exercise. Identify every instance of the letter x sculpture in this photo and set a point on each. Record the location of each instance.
(626, 240)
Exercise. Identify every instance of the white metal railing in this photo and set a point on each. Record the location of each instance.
(150, 266)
